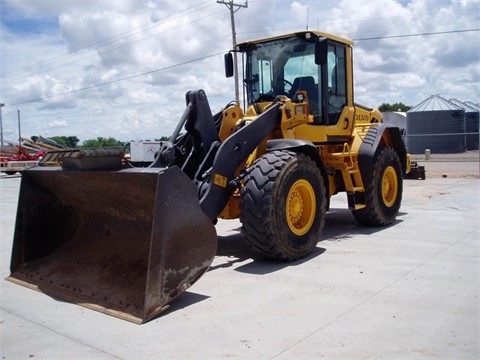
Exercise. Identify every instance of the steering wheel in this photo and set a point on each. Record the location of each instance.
(285, 83)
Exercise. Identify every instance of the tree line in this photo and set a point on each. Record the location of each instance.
(99, 142)
(394, 107)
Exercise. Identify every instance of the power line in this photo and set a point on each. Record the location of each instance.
(111, 41)
(114, 81)
(351, 21)
(212, 55)
(215, 40)
(419, 34)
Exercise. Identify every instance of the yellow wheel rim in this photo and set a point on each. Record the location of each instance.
(389, 186)
(300, 206)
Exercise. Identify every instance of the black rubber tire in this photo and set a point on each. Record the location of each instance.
(263, 206)
(383, 195)
(10, 172)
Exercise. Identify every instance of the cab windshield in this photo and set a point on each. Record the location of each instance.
(284, 66)
(281, 67)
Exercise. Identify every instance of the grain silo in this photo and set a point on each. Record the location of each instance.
(436, 124)
(471, 123)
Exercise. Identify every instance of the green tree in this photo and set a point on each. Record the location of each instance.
(101, 142)
(394, 107)
(68, 141)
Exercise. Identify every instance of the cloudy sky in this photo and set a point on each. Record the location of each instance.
(120, 68)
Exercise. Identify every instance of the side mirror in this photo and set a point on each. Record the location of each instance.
(228, 58)
(321, 49)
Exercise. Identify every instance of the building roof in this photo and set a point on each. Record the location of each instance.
(435, 103)
(474, 106)
(465, 105)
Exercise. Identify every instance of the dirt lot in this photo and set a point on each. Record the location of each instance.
(465, 165)
(405, 291)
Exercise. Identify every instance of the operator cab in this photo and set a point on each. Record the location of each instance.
(281, 66)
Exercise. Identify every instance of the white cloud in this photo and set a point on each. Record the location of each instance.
(126, 55)
(57, 123)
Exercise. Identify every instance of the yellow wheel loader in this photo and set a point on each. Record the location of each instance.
(127, 241)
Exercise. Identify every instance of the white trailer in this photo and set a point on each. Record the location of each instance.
(14, 166)
(142, 153)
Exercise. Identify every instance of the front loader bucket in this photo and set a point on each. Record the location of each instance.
(125, 243)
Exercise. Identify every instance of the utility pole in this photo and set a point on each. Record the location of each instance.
(233, 8)
(19, 132)
(1, 127)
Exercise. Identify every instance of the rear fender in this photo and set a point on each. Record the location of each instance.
(391, 137)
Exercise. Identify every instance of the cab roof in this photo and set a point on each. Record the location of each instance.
(302, 34)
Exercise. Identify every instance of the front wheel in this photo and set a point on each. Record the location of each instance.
(283, 205)
(383, 195)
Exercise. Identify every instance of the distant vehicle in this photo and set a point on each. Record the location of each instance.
(142, 153)
(11, 167)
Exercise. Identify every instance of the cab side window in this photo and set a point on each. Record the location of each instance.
(337, 94)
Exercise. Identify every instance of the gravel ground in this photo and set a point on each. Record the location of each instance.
(401, 292)
(462, 165)
(465, 156)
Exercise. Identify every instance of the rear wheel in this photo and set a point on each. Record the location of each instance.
(283, 205)
(383, 195)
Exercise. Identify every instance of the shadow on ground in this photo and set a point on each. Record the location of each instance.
(233, 252)
(340, 225)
